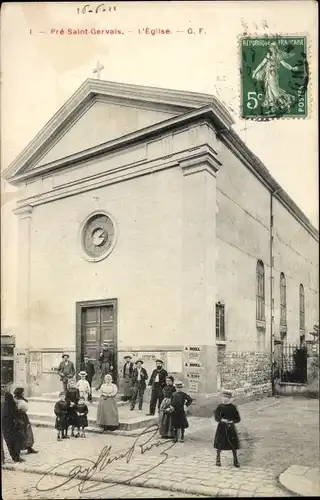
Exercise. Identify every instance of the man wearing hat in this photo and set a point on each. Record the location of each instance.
(88, 367)
(157, 382)
(105, 363)
(127, 378)
(139, 378)
(66, 371)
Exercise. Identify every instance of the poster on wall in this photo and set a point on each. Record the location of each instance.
(20, 366)
(193, 352)
(51, 361)
(174, 362)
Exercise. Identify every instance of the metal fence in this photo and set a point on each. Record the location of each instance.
(293, 363)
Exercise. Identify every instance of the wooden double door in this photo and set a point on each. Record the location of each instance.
(96, 324)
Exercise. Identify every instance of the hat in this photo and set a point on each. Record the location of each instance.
(179, 385)
(139, 361)
(226, 393)
(83, 373)
(65, 354)
(86, 356)
(127, 357)
(159, 361)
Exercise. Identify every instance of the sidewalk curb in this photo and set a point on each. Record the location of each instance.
(203, 491)
(92, 430)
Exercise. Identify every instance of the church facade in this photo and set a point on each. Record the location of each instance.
(146, 222)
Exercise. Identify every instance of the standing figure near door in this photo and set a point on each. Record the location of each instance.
(105, 363)
(139, 378)
(157, 382)
(127, 378)
(66, 371)
(88, 367)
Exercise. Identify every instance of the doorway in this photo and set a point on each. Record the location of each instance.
(96, 322)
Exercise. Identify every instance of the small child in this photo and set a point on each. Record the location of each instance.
(72, 398)
(83, 386)
(226, 437)
(82, 412)
(179, 419)
(61, 412)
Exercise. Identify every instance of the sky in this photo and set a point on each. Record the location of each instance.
(41, 68)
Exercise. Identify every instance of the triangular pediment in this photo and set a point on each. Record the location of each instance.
(99, 112)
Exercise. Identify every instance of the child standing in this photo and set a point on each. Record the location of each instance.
(83, 386)
(72, 398)
(226, 437)
(179, 419)
(82, 412)
(61, 412)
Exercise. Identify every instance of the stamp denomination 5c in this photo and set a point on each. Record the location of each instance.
(274, 77)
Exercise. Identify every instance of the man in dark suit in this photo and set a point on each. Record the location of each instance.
(66, 371)
(88, 367)
(157, 382)
(139, 378)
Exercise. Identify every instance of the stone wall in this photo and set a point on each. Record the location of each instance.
(244, 369)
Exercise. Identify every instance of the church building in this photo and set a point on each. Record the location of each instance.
(145, 221)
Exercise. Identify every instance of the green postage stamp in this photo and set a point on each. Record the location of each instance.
(274, 77)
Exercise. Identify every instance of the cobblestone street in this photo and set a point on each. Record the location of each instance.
(275, 433)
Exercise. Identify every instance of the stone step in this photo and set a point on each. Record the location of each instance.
(53, 400)
(41, 409)
(55, 396)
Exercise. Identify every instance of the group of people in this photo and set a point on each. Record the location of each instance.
(170, 398)
(16, 429)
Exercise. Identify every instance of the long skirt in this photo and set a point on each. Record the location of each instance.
(165, 422)
(179, 419)
(226, 437)
(127, 389)
(14, 440)
(107, 413)
(26, 431)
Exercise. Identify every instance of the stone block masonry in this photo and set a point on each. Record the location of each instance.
(244, 369)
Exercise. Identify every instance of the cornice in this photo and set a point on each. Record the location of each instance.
(24, 211)
(178, 101)
(199, 116)
(204, 159)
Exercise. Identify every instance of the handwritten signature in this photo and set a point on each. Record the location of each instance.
(84, 470)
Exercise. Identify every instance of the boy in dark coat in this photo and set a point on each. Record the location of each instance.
(179, 419)
(226, 437)
(157, 382)
(82, 412)
(72, 398)
(61, 413)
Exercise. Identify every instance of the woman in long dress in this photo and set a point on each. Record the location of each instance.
(268, 73)
(10, 427)
(23, 420)
(107, 413)
(165, 416)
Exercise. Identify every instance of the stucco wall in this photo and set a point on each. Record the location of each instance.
(143, 271)
(242, 239)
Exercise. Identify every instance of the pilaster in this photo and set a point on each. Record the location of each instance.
(199, 245)
(24, 246)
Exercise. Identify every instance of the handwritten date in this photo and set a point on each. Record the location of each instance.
(89, 9)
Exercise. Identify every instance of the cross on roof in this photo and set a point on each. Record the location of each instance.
(98, 69)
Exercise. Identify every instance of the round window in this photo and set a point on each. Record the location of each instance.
(98, 236)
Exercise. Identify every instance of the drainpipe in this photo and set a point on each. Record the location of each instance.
(271, 291)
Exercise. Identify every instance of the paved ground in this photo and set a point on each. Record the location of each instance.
(274, 433)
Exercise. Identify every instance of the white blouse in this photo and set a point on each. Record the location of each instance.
(109, 390)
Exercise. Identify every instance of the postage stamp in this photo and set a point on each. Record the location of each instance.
(274, 77)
